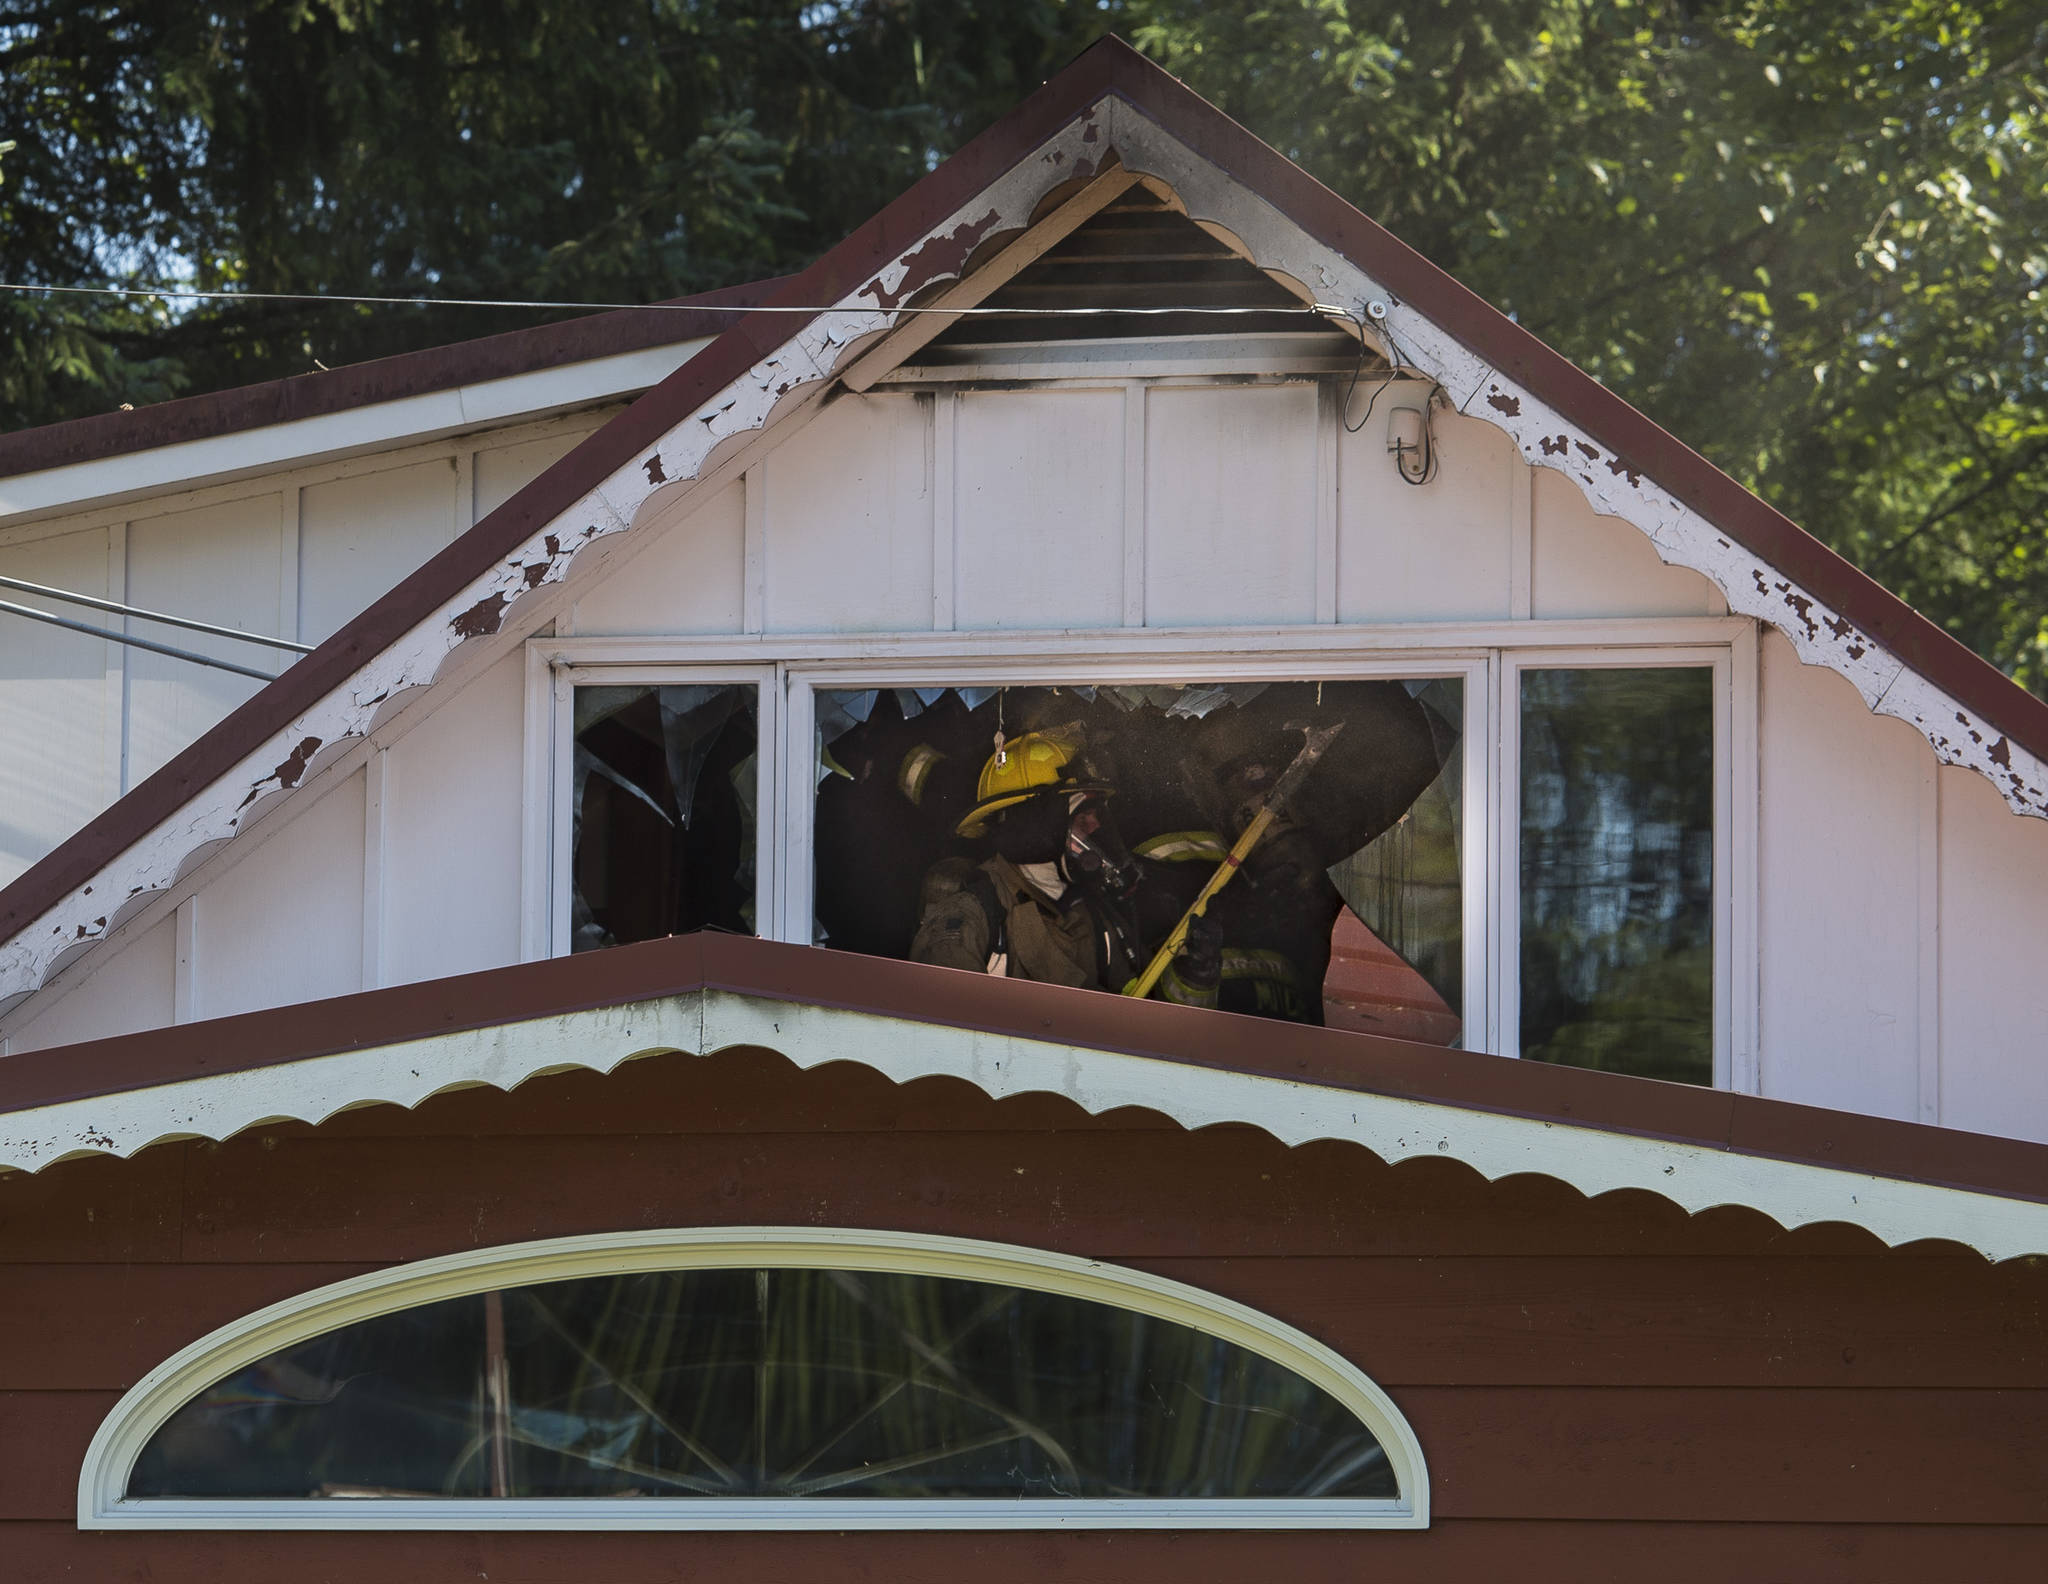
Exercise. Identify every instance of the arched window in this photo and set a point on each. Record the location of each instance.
(755, 1377)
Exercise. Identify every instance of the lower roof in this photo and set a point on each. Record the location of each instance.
(704, 993)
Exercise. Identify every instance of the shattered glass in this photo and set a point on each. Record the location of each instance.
(663, 812)
(1348, 911)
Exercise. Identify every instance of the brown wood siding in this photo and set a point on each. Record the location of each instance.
(1604, 1389)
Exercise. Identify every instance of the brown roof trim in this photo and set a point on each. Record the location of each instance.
(1109, 66)
(812, 976)
(381, 380)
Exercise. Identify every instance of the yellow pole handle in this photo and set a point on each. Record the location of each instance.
(1176, 938)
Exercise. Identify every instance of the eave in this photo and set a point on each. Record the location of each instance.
(703, 994)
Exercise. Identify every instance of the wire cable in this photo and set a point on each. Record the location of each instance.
(22, 586)
(179, 294)
(10, 608)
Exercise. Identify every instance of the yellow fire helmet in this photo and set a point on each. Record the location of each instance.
(1025, 766)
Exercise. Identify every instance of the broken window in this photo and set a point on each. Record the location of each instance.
(1062, 833)
(1617, 870)
(664, 790)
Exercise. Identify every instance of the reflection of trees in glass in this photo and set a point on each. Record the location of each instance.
(1618, 870)
(783, 1383)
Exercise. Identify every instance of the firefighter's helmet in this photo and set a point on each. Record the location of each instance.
(1023, 768)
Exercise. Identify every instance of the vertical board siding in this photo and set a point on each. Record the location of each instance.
(216, 564)
(1440, 552)
(503, 471)
(1994, 994)
(57, 704)
(129, 991)
(849, 544)
(1230, 506)
(285, 922)
(1603, 1389)
(358, 536)
(452, 822)
(1039, 509)
(1584, 564)
(690, 578)
(1838, 912)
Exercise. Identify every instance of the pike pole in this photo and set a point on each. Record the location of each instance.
(1269, 809)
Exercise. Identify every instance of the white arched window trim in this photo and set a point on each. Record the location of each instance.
(152, 1401)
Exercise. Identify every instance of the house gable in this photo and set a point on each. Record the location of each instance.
(690, 477)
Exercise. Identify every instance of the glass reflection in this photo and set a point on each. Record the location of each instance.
(766, 1383)
(1617, 962)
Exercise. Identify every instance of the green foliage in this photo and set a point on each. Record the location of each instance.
(1809, 236)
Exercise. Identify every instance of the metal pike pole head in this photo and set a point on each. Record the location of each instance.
(1316, 740)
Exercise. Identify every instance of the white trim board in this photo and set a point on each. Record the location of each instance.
(126, 1431)
(1593, 1160)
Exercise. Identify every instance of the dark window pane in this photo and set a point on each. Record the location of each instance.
(767, 1383)
(664, 793)
(940, 843)
(1617, 860)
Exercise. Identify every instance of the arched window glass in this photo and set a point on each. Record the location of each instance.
(786, 1374)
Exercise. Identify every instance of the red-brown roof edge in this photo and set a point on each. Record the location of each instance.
(315, 395)
(813, 976)
(1110, 66)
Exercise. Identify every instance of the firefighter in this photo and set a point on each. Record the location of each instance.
(1060, 899)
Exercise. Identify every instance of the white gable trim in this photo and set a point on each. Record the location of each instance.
(715, 441)
(1693, 1176)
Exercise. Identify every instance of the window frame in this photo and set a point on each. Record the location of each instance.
(127, 1429)
(1489, 655)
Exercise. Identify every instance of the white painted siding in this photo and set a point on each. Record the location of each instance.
(690, 579)
(849, 530)
(130, 989)
(1585, 564)
(1230, 506)
(1994, 994)
(360, 535)
(222, 564)
(451, 833)
(1444, 551)
(1838, 893)
(1901, 911)
(1040, 509)
(284, 921)
(294, 554)
(60, 701)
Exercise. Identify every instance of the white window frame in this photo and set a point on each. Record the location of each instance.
(126, 1431)
(1733, 669)
(1488, 656)
(551, 779)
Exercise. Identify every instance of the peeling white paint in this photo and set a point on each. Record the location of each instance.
(1595, 1161)
(825, 344)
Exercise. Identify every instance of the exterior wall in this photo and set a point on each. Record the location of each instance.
(1895, 906)
(1603, 1389)
(290, 553)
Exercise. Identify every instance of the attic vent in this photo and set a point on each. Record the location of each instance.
(1138, 253)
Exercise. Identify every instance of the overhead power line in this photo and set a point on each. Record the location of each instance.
(178, 294)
